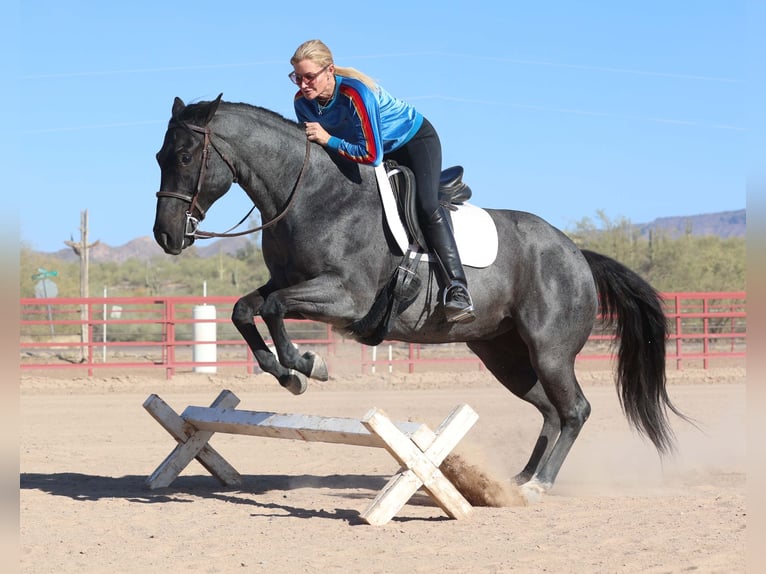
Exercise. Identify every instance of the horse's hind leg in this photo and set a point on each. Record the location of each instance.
(549, 433)
(547, 381)
(507, 358)
(556, 374)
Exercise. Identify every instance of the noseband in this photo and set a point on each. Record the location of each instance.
(191, 226)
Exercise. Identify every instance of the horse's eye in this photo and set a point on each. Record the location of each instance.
(185, 158)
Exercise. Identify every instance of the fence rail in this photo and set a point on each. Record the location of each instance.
(159, 333)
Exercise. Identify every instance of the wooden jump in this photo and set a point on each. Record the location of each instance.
(418, 449)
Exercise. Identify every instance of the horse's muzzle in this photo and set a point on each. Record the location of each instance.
(171, 245)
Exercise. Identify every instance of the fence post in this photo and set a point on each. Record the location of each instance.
(170, 339)
(705, 331)
(679, 331)
(91, 338)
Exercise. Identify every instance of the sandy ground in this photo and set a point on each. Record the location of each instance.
(87, 445)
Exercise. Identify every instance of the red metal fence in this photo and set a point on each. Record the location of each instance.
(159, 333)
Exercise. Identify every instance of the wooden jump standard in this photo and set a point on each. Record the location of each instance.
(418, 449)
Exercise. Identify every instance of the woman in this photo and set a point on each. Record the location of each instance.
(345, 111)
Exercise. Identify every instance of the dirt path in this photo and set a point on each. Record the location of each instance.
(86, 446)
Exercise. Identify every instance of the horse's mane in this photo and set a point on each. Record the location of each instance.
(197, 112)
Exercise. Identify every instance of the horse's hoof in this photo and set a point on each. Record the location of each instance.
(318, 366)
(532, 491)
(295, 382)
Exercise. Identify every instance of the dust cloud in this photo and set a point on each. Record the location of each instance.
(477, 486)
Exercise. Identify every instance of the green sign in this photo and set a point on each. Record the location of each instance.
(43, 273)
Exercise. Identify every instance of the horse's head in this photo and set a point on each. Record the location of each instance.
(194, 174)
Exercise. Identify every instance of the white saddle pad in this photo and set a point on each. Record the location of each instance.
(475, 231)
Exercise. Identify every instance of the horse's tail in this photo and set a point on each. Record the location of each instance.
(635, 309)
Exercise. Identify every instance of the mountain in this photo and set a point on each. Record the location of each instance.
(145, 248)
(724, 224)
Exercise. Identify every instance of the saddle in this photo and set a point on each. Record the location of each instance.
(404, 285)
(453, 191)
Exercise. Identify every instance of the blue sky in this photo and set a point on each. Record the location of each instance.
(560, 108)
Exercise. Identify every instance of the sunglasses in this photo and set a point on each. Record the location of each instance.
(309, 78)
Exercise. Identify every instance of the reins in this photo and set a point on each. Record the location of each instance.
(192, 223)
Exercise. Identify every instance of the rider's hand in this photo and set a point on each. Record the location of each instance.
(316, 133)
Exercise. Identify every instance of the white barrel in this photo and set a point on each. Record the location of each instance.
(205, 349)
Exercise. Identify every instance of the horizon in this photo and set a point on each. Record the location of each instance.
(214, 241)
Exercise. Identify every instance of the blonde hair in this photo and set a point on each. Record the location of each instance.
(319, 53)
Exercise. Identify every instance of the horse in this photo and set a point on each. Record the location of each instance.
(329, 255)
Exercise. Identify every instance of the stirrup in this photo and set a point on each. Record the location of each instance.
(465, 315)
(458, 311)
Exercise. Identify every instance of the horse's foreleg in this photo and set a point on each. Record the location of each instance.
(308, 364)
(319, 298)
(243, 314)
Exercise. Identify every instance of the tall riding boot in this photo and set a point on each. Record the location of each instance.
(457, 301)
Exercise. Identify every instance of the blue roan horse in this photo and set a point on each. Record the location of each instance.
(329, 255)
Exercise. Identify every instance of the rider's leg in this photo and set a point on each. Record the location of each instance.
(457, 301)
(423, 155)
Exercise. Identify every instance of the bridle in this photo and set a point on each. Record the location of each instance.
(191, 226)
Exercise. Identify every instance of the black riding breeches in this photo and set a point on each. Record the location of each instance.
(423, 155)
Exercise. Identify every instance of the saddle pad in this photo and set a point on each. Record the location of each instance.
(475, 231)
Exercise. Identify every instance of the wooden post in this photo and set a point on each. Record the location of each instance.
(82, 249)
(420, 459)
(191, 445)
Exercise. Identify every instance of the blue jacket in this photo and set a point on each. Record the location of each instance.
(363, 124)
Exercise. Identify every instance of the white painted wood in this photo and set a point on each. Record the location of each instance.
(288, 426)
(390, 500)
(424, 464)
(183, 454)
(417, 448)
(451, 432)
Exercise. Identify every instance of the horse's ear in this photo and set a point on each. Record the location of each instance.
(213, 108)
(178, 107)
